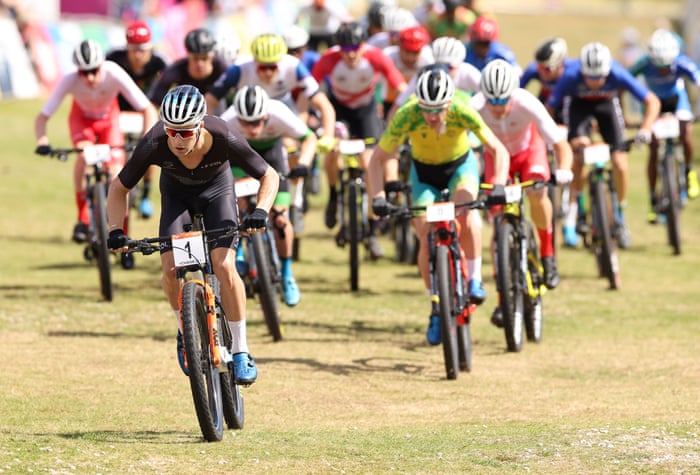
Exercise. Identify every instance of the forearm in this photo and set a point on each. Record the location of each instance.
(307, 151)
(117, 202)
(40, 130)
(321, 102)
(269, 184)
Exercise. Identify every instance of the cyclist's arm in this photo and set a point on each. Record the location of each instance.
(117, 202)
(269, 184)
(150, 117)
(375, 170)
(563, 154)
(652, 107)
(499, 152)
(307, 148)
(40, 129)
(323, 105)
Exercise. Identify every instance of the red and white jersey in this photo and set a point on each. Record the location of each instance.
(424, 58)
(354, 87)
(96, 102)
(514, 130)
(466, 77)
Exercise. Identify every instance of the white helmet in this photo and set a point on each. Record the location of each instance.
(449, 50)
(251, 103)
(296, 37)
(183, 107)
(551, 53)
(663, 48)
(595, 60)
(228, 45)
(434, 88)
(397, 19)
(498, 80)
(88, 55)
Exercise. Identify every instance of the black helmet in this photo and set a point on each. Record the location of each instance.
(199, 41)
(350, 34)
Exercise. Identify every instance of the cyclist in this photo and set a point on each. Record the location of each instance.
(144, 66)
(435, 121)
(323, 17)
(453, 20)
(263, 122)
(484, 46)
(196, 152)
(94, 117)
(353, 69)
(594, 83)
(394, 20)
(523, 124)
(663, 69)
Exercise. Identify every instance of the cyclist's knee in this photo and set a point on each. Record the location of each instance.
(279, 221)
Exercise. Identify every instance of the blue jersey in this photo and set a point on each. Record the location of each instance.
(532, 73)
(667, 82)
(572, 84)
(309, 58)
(496, 51)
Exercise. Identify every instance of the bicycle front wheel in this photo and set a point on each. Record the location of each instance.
(205, 380)
(355, 231)
(509, 284)
(672, 203)
(607, 248)
(448, 322)
(100, 240)
(267, 284)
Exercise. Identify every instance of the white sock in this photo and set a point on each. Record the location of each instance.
(238, 332)
(572, 215)
(474, 268)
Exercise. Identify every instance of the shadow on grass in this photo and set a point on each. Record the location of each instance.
(370, 365)
(160, 337)
(131, 437)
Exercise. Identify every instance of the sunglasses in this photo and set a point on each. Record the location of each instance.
(88, 72)
(349, 48)
(295, 51)
(251, 123)
(267, 67)
(201, 57)
(548, 69)
(183, 133)
(592, 77)
(433, 110)
(498, 102)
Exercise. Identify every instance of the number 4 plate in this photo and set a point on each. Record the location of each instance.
(188, 248)
(440, 212)
(95, 154)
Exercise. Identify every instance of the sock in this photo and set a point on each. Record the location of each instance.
(572, 215)
(546, 246)
(83, 211)
(286, 267)
(238, 332)
(474, 268)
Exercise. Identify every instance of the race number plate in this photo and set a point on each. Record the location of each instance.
(351, 147)
(247, 186)
(188, 248)
(667, 127)
(598, 153)
(95, 154)
(513, 193)
(440, 212)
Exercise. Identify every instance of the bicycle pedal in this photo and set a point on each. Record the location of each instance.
(340, 239)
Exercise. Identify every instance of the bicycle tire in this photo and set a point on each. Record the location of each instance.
(448, 322)
(232, 401)
(268, 293)
(607, 255)
(405, 241)
(100, 226)
(205, 381)
(464, 346)
(508, 281)
(534, 317)
(672, 202)
(354, 231)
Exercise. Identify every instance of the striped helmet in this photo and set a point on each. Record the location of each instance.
(595, 60)
(498, 80)
(434, 88)
(183, 107)
(88, 55)
(268, 48)
(251, 103)
(449, 50)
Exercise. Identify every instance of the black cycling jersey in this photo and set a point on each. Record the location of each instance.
(177, 74)
(143, 80)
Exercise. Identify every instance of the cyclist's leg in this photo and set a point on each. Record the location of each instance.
(685, 117)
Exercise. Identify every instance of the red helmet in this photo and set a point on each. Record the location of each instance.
(138, 33)
(414, 38)
(484, 29)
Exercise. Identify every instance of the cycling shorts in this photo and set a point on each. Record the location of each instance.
(104, 130)
(530, 164)
(427, 181)
(363, 122)
(608, 113)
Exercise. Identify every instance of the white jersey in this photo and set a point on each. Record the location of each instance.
(96, 102)
(466, 78)
(380, 40)
(514, 129)
(282, 122)
(324, 21)
(424, 59)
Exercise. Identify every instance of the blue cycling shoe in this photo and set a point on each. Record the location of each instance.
(570, 236)
(146, 208)
(244, 370)
(477, 293)
(291, 292)
(181, 354)
(433, 335)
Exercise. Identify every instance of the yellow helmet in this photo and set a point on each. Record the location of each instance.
(268, 48)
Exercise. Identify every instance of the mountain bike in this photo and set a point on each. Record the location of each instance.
(405, 241)
(671, 166)
(262, 275)
(205, 331)
(448, 279)
(519, 272)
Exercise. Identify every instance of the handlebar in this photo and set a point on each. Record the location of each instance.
(150, 245)
(62, 153)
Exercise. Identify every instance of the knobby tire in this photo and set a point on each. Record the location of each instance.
(448, 321)
(508, 281)
(672, 203)
(354, 231)
(268, 288)
(100, 243)
(534, 318)
(607, 254)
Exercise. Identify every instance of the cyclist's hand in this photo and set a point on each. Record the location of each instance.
(43, 149)
(117, 239)
(643, 136)
(299, 171)
(325, 144)
(393, 186)
(380, 206)
(563, 177)
(255, 220)
(497, 196)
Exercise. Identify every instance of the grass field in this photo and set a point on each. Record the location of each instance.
(92, 387)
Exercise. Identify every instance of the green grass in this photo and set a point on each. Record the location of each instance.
(94, 387)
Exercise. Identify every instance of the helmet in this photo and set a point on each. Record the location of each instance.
(268, 48)
(295, 37)
(251, 103)
(397, 19)
(138, 33)
(414, 38)
(484, 28)
(595, 60)
(498, 79)
(434, 88)
(551, 53)
(183, 107)
(350, 34)
(199, 41)
(228, 46)
(375, 12)
(88, 55)
(663, 48)
(449, 50)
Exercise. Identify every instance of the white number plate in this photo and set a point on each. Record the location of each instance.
(247, 186)
(351, 147)
(440, 212)
(131, 123)
(95, 154)
(513, 193)
(188, 248)
(666, 127)
(598, 153)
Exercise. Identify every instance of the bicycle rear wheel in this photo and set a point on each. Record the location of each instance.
(268, 291)
(232, 401)
(205, 380)
(405, 241)
(607, 254)
(100, 240)
(355, 231)
(448, 322)
(509, 284)
(672, 203)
